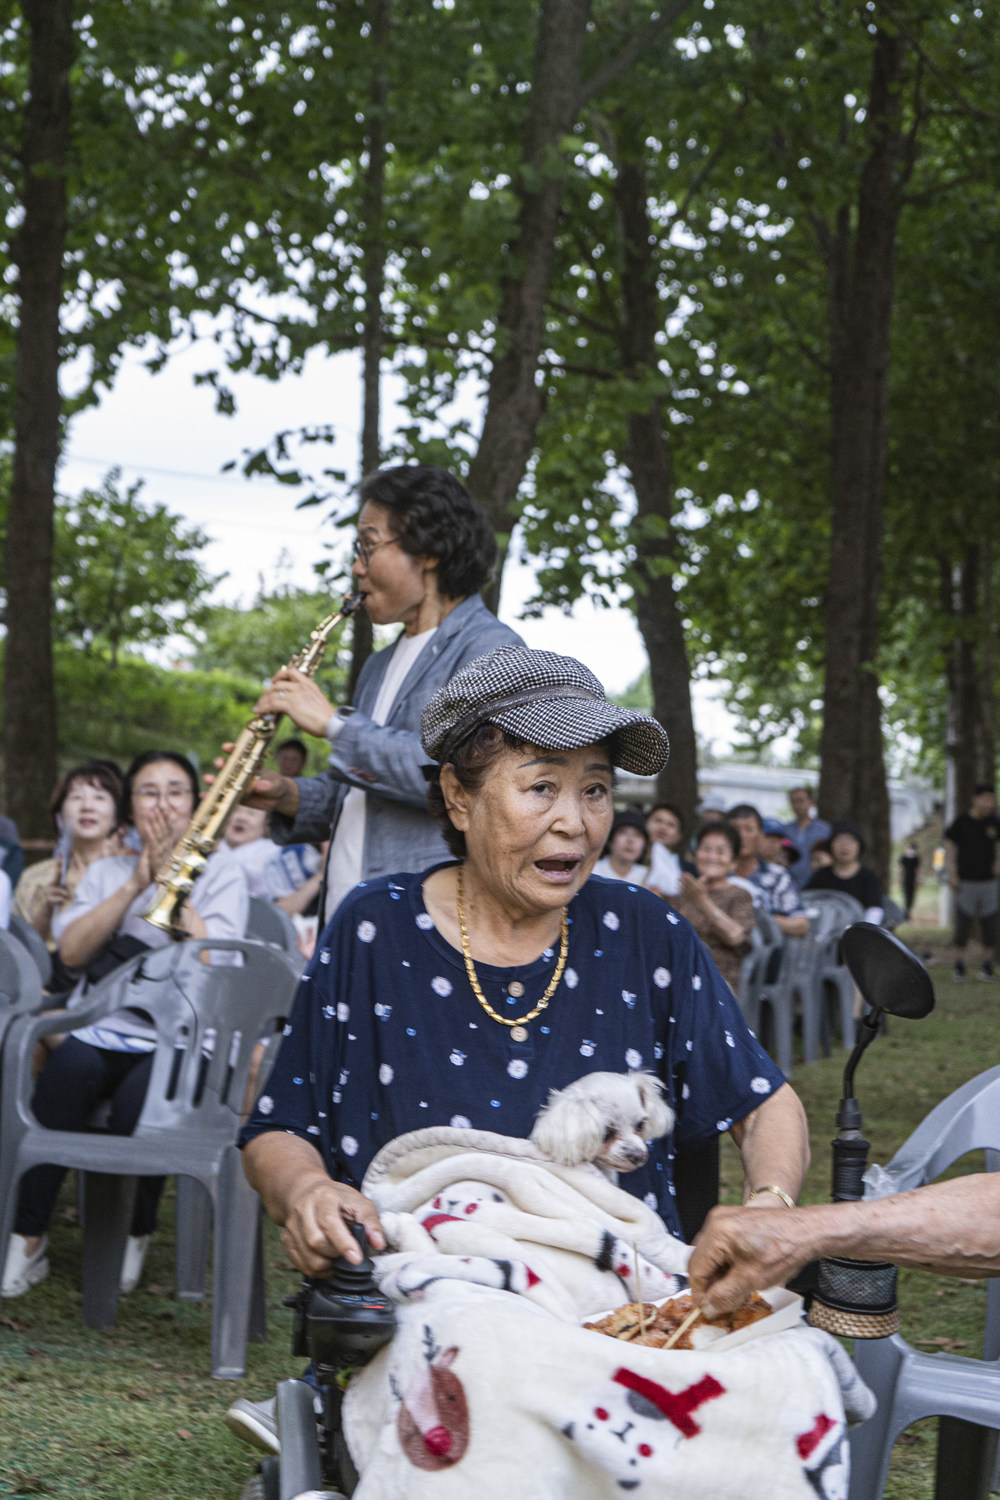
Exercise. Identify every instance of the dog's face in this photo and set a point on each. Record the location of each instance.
(605, 1118)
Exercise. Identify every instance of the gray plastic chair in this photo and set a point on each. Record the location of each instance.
(20, 983)
(267, 923)
(834, 984)
(35, 944)
(765, 940)
(778, 983)
(208, 1020)
(908, 1384)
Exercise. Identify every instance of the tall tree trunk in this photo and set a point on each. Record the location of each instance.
(373, 262)
(30, 747)
(650, 464)
(986, 675)
(970, 746)
(514, 398)
(852, 778)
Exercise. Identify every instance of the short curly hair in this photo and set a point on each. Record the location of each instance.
(470, 761)
(433, 515)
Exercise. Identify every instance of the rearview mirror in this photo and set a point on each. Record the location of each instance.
(888, 975)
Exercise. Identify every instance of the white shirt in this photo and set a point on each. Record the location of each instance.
(638, 875)
(253, 858)
(345, 866)
(665, 870)
(219, 896)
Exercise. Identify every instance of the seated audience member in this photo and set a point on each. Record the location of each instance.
(84, 808)
(950, 1228)
(666, 850)
(97, 930)
(805, 830)
(247, 843)
(846, 872)
(720, 913)
(771, 886)
(820, 856)
(291, 757)
(625, 850)
(775, 845)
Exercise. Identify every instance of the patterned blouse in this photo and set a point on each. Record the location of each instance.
(386, 1035)
(735, 903)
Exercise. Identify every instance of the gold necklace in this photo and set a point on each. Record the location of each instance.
(518, 1030)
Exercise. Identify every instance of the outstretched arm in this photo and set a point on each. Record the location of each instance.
(952, 1228)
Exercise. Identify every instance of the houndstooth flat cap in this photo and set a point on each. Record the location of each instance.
(550, 701)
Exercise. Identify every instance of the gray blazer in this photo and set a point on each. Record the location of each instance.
(385, 760)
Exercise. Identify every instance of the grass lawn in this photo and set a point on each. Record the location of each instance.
(132, 1412)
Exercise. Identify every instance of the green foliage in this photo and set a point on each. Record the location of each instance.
(255, 642)
(125, 574)
(217, 185)
(153, 706)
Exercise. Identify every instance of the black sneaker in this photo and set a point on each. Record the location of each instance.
(959, 970)
(986, 972)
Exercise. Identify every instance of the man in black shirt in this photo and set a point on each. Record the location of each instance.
(973, 856)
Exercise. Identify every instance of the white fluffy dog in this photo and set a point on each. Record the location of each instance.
(603, 1118)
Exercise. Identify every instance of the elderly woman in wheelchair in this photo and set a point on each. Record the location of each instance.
(439, 1012)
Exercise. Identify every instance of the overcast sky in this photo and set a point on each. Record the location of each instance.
(165, 430)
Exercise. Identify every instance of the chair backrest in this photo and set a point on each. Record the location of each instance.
(849, 909)
(968, 1120)
(20, 981)
(893, 916)
(34, 943)
(208, 1018)
(269, 924)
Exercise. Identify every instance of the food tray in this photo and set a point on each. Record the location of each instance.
(787, 1313)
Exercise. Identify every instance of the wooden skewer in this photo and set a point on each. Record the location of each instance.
(638, 1289)
(678, 1333)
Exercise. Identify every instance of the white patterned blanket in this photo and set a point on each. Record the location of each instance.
(491, 1387)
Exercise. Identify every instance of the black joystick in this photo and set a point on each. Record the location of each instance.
(341, 1320)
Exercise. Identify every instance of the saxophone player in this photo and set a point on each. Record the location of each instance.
(424, 550)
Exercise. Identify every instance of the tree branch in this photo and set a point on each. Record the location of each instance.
(951, 87)
(631, 52)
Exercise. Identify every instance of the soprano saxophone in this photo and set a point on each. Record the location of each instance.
(203, 834)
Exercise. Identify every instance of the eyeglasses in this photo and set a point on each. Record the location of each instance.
(150, 794)
(363, 549)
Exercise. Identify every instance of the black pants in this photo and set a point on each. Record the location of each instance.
(69, 1088)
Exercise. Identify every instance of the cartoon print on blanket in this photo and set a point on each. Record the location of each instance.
(482, 1389)
(433, 1420)
(824, 1452)
(553, 1410)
